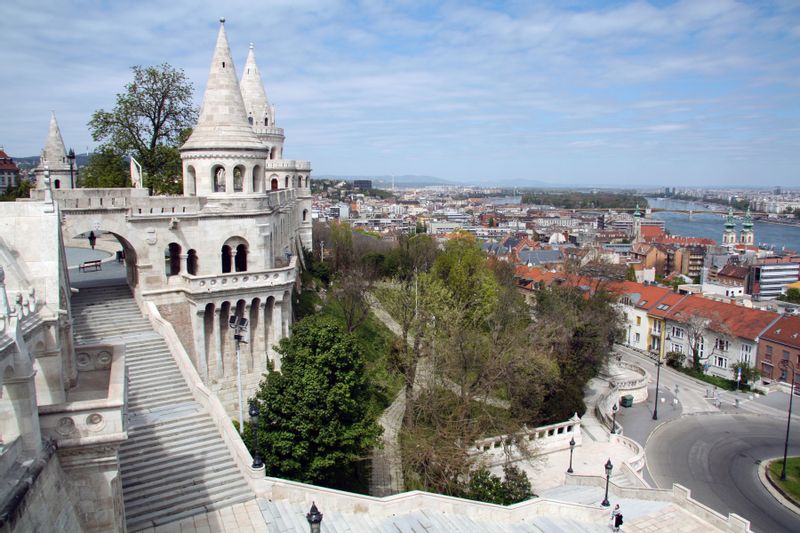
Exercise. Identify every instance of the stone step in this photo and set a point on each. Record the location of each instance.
(159, 403)
(138, 354)
(139, 378)
(144, 368)
(157, 388)
(180, 479)
(176, 395)
(183, 427)
(211, 464)
(159, 459)
(201, 505)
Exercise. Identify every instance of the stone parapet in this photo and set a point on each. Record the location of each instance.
(287, 164)
(250, 280)
(544, 439)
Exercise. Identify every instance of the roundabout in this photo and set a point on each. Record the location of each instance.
(718, 457)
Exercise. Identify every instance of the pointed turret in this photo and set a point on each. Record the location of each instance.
(54, 153)
(223, 120)
(259, 112)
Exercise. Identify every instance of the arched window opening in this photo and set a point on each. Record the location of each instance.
(218, 175)
(286, 183)
(237, 179)
(57, 184)
(305, 214)
(266, 121)
(191, 181)
(191, 262)
(250, 120)
(226, 259)
(274, 184)
(240, 260)
(172, 259)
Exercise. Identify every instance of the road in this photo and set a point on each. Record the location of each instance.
(716, 456)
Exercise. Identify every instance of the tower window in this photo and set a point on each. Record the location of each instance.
(266, 121)
(223, 64)
(250, 120)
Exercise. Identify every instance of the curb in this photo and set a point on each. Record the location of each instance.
(773, 489)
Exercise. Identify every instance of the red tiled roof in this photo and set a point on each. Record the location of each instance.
(785, 331)
(6, 162)
(723, 317)
(734, 271)
(685, 241)
(651, 232)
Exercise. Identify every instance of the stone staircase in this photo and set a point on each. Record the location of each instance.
(174, 464)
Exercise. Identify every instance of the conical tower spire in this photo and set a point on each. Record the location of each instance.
(54, 153)
(223, 120)
(259, 112)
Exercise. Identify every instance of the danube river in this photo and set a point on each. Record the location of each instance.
(711, 226)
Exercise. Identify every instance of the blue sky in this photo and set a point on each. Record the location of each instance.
(583, 93)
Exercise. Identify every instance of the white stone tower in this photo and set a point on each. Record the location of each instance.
(747, 237)
(223, 156)
(260, 114)
(729, 236)
(54, 160)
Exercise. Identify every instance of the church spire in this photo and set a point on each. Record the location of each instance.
(54, 153)
(259, 112)
(223, 120)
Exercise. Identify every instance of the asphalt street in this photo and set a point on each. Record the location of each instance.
(717, 457)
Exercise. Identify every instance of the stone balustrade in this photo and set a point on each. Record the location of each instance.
(94, 410)
(268, 130)
(287, 164)
(16, 308)
(544, 439)
(241, 280)
(636, 387)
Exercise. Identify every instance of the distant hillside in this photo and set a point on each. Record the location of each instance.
(81, 160)
(385, 182)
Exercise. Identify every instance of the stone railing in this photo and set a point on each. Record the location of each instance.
(636, 387)
(94, 411)
(287, 164)
(544, 439)
(679, 495)
(103, 199)
(332, 500)
(164, 206)
(268, 130)
(241, 280)
(206, 398)
(637, 461)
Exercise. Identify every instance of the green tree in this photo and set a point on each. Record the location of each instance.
(750, 374)
(484, 486)
(149, 121)
(22, 190)
(106, 168)
(792, 295)
(316, 423)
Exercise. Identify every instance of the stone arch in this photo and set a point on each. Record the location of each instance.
(226, 258)
(238, 178)
(218, 178)
(273, 184)
(208, 333)
(79, 227)
(190, 183)
(172, 259)
(224, 316)
(305, 214)
(191, 262)
(240, 259)
(258, 179)
(269, 330)
(286, 182)
(255, 346)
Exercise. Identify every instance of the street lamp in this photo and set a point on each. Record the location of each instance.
(614, 421)
(571, 449)
(608, 467)
(314, 518)
(71, 158)
(658, 379)
(257, 462)
(787, 365)
(239, 324)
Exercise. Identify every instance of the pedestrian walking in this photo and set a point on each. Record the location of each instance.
(674, 403)
(615, 518)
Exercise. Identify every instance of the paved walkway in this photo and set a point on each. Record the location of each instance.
(240, 518)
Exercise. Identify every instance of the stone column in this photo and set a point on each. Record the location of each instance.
(218, 342)
(259, 339)
(247, 179)
(277, 330)
(183, 258)
(199, 331)
(228, 179)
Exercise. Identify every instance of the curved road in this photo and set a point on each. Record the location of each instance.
(717, 456)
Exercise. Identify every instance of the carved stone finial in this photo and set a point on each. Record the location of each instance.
(222, 20)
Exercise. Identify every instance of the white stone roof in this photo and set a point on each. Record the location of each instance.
(54, 153)
(223, 120)
(253, 94)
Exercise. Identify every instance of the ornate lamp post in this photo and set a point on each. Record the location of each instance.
(608, 467)
(658, 379)
(257, 462)
(789, 366)
(614, 420)
(571, 449)
(71, 158)
(314, 518)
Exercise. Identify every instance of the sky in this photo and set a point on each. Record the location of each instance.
(687, 93)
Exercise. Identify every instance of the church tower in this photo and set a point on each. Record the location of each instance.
(729, 236)
(223, 156)
(54, 159)
(637, 225)
(747, 237)
(260, 114)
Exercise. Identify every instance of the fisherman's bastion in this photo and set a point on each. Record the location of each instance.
(119, 393)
